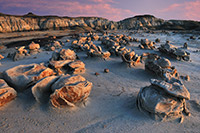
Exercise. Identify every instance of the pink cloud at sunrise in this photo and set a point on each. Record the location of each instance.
(187, 10)
(111, 9)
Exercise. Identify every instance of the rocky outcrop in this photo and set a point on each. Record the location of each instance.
(141, 22)
(11, 23)
(149, 22)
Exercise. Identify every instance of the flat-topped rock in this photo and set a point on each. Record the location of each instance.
(175, 88)
(23, 76)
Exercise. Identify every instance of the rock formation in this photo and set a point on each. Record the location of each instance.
(6, 93)
(29, 22)
(42, 89)
(146, 44)
(64, 54)
(131, 58)
(19, 54)
(164, 100)
(34, 48)
(69, 90)
(23, 76)
(161, 67)
(175, 52)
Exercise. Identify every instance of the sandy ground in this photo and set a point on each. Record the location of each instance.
(111, 107)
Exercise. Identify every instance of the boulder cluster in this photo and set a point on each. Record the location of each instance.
(53, 46)
(146, 44)
(61, 83)
(163, 99)
(85, 43)
(21, 52)
(160, 66)
(65, 62)
(116, 46)
(175, 52)
(54, 82)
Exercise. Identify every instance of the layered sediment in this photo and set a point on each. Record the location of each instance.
(32, 22)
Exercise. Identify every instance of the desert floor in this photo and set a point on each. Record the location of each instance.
(111, 106)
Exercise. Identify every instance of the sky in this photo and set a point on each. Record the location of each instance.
(111, 9)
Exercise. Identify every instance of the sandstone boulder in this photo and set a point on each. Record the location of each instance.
(76, 67)
(57, 44)
(23, 76)
(130, 58)
(64, 54)
(6, 93)
(174, 52)
(163, 100)
(119, 50)
(1, 57)
(69, 90)
(42, 89)
(96, 51)
(161, 67)
(34, 46)
(146, 44)
(67, 67)
(19, 54)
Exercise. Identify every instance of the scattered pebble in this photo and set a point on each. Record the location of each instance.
(96, 73)
(106, 70)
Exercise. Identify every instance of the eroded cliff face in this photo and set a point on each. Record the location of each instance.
(141, 22)
(10, 23)
(25, 23)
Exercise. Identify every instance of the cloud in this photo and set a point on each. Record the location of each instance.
(100, 8)
(187, 10)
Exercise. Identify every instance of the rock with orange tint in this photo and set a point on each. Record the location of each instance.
(69, 90)
(146, 44)
(1, 57)
(160, 66)
(23, 76)
(34, 46)
(60, 67)
(42, 89)
(6, 93)
(64, 54)
(96, 51)
(19, 54)
(106, 55)
(76, 67)
(57, 45)
(130, 58)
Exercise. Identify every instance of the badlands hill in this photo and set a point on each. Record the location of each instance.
(32, 22)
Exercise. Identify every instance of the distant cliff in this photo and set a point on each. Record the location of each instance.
(149, 22)
(13, 23)
(10, 23)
